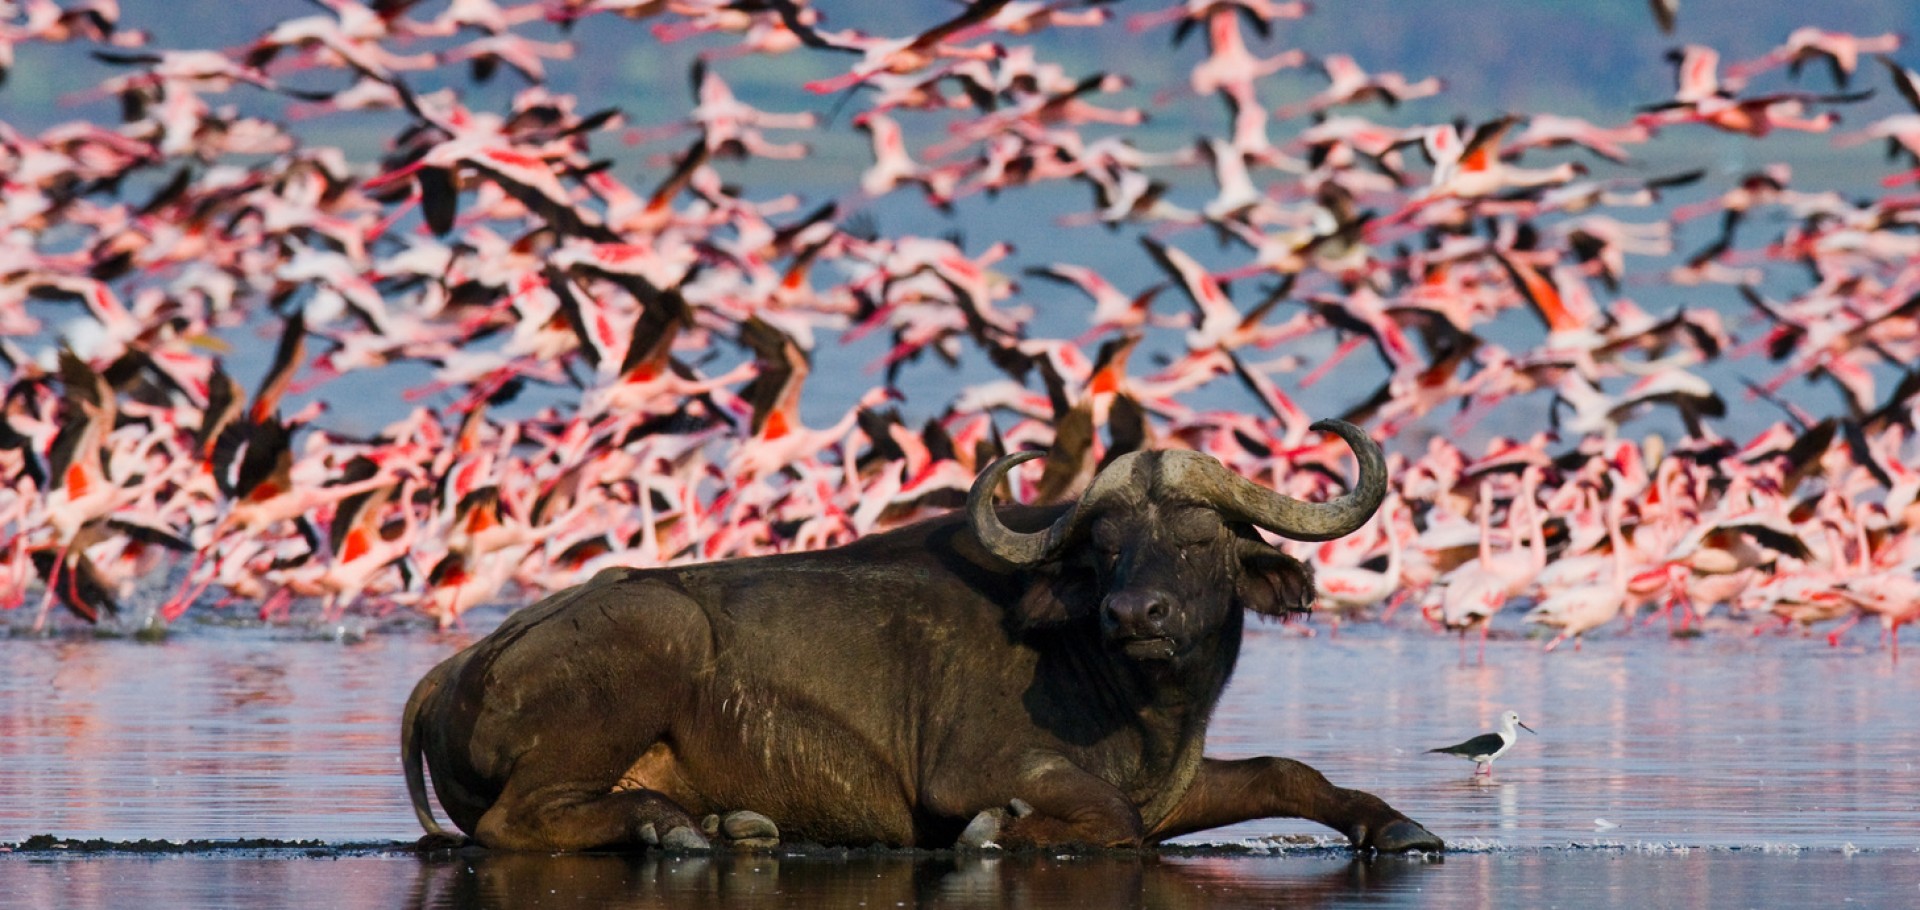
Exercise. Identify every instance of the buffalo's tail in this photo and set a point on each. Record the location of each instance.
(412, 755)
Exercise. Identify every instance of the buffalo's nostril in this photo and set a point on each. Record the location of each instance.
(1137, 613)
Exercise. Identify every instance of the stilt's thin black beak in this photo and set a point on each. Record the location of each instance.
(1526, 728)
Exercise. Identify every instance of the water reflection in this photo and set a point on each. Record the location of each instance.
(1315, 878)
(742, 883)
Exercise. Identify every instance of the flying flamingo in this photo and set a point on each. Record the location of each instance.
(780, 440)
(1185, 14)
(485, 55)
(1550, 130)
(1113, 311)
(485, 16)
(81, 492)
(1232, 71)
(733, 127)
(353, 35)
(1701, 96)
(1840, 51)
(1474, 167)
(364, 548)
(893, 165)
(893, 55)
(1901, 131)
(530, 174)
(1349, 84)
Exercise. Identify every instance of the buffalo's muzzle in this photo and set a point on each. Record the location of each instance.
(1137, 622)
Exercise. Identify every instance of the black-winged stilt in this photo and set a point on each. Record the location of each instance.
(1483, 749)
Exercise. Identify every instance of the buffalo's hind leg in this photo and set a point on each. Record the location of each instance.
(1053, 803)
(570, 815)
(1228, 792)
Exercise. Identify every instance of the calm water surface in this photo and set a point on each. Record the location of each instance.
(1532, 879)
(1722, 741)
(1730, 765)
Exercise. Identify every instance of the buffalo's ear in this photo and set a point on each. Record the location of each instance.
(1271, 582)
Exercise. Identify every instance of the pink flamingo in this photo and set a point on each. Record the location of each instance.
(1113, 311)
(1892, 594)
(1477, 589)
(1550, 130)
(1901, 130)
(780, 440)
(1185, 14)
(1349, 84)
(893, 165)
(525, 56)
(485, 16)
(731, 126)
(1577, 609)
(1701, 97)
(353, 35)
(1348, 589)
(1231, 70)
(893, 55)
(365, 548)
(1839, 50)
(1472, 167)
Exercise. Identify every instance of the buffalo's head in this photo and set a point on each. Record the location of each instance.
(1163, 544)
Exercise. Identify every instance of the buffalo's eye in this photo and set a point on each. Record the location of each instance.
(1106, 545)
(1193, 526)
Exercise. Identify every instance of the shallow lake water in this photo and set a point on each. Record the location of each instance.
(1745, 769)
(1319, 878)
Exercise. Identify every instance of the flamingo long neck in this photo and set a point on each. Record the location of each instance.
(1618, 543)
(1486, 528)
(1537, 542)
(1393, 549)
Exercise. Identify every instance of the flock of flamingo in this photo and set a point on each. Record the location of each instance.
(615, 372)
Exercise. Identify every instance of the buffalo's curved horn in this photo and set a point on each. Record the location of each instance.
(1211, 482)
(1034, 547)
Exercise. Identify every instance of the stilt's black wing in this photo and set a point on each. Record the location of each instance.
(1484, 744)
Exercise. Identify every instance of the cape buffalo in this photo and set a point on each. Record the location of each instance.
(956, 681)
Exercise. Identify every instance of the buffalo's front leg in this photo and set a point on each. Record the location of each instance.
(1228, 792)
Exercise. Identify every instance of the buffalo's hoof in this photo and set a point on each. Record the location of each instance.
(1402, 835)
(983, 832)
(750, 829)
(441, 840)
(685, 840)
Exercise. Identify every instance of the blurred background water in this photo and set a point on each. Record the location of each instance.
(1731, 741)
(1731, 771)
